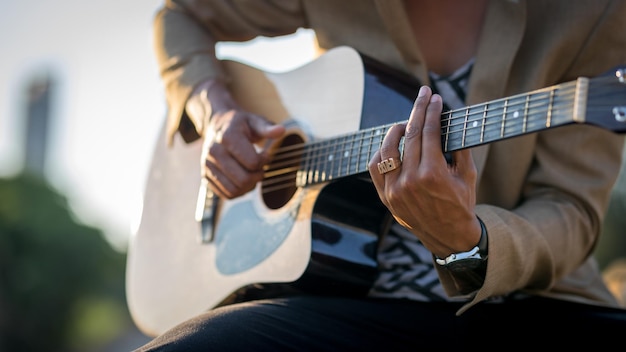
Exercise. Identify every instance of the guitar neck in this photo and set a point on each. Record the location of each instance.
(468, 127)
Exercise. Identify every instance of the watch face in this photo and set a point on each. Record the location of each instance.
(464, 264)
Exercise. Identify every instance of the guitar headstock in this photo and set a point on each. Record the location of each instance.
(606, 100)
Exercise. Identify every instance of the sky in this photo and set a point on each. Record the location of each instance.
(108, 102)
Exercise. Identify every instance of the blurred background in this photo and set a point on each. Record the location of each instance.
(81, 106)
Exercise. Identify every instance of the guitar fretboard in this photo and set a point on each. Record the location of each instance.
(471, 126)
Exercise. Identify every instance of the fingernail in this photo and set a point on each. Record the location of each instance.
(422, 91)
(435, 98)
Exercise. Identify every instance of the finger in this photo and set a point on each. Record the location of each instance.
(225, 170)
(252, 128)
(216, 182)
(431, 135)
(377, 178)
(414, 127)
(390, 147)
(262, 128)
(463, 164)
(390, 156)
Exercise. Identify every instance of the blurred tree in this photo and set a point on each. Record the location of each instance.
(612, 245)
(61, 282)
(611, 249)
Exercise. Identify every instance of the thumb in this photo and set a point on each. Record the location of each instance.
(263, 128)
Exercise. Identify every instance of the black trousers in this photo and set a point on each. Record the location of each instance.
(315, 323)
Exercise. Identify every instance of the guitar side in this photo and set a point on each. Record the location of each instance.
(172, 276)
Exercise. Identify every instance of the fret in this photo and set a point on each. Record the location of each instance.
(465, 127)
(315, 163)
(364, 155)
(446, 133)
(379, 135)
(490, 122)
(339, 155)
(455, 129)
(306, 164)
(504, 111)
(309, 160)
(348, 154)
(354, 154)
(369, 153)
(525, 114)
(357, 147)
(537, 113)
(462, 128)
(323, 162)
(474, 126)
(483, 126)
(512, 115)
(502, 125)
(550, 105)
(332, 155)
(510, 121)
(485, 122)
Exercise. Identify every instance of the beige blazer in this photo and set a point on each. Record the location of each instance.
(542, 196)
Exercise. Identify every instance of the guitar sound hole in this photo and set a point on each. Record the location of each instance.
(279, 183)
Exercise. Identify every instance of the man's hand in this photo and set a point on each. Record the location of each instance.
(433, 199)
(231, 161)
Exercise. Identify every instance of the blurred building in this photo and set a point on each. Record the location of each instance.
(39, 104)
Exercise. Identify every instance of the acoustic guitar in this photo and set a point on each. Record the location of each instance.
(314, 221)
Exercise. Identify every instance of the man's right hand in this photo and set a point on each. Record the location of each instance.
(231, 160)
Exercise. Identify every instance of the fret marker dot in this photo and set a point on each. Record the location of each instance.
(330, 157)
(516, 114)
(475, 124)
(346, 154)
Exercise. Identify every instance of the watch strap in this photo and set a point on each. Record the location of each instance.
(479, 252)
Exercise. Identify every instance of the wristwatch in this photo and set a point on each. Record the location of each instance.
(470, 260)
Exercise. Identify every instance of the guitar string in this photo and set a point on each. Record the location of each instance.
(470, 127)
(353, 162)
(287, 164)
(315, 154)
(477, 110)
(601, 105)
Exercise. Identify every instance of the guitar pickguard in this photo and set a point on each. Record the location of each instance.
(258, 233)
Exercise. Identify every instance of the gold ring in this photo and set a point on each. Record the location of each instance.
(387, 165)
(218, 136)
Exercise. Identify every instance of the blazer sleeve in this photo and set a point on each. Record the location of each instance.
(184, 36)
(544, 242)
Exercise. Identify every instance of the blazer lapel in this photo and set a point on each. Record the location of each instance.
(501, 38)
(396, 20)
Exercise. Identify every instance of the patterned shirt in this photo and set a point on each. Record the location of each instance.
(406, 268)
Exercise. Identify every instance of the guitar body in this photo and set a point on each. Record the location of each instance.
(314, 221)
(320, 238)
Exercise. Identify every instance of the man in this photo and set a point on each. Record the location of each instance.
(492, 239)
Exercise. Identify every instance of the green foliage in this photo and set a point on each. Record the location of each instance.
(612, 244)
(613, 241)
(49, 264)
